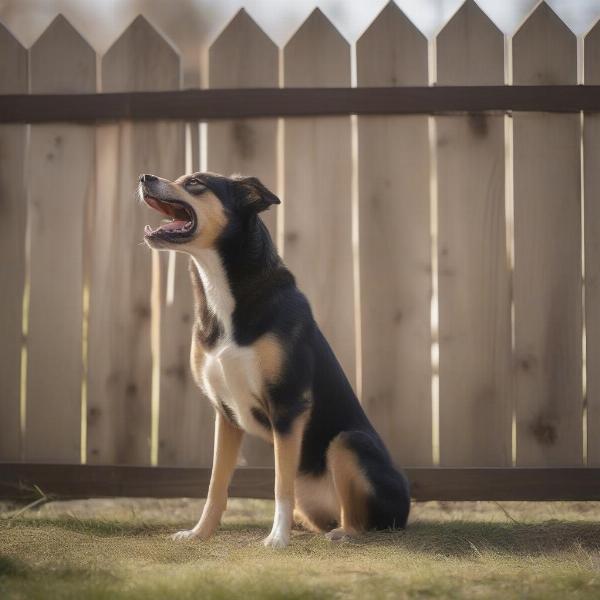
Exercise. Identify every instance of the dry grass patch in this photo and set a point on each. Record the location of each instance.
(121, 549)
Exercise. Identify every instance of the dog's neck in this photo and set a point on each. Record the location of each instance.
(239, 273)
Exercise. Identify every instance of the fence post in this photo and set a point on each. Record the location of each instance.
(591, 154)
(395, 244)
(61, 157)
(547, 279)
(120, 384)
(476, 391)
(13, 202)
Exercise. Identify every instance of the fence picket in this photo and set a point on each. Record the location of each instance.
(395, 244)
(244, 56)
(120, 363)
(60, 194)
(317, 188)
(186, 417)
(591, 182)
(13, 205)
(547, 281)
(473, 274)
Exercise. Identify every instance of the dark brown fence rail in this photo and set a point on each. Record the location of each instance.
(17, 480)
(295, 102)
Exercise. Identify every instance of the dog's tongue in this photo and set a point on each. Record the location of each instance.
(173, 225)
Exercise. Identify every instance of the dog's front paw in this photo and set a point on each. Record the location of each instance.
(276, 540)
(188, 534)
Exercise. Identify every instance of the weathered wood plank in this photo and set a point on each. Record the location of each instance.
(85, 481)
(476, 391)
(243, 56)
(591, 182)
(61, 190)
(13, 211)
(547, 279)
(317, 188)
(395, 244)
(120, 361)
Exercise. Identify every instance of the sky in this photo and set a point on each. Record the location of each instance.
(194, 24)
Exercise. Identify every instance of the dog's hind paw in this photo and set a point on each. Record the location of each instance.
(188, 534)
(339, 535)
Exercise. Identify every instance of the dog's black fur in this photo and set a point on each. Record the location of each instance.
(268, 301)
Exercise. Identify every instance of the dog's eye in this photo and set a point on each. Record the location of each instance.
(193, 181)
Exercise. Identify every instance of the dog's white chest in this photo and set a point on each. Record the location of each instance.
(231, 377)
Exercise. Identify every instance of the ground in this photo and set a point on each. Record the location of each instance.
(121, 549)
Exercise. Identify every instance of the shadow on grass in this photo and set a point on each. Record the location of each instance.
(462, 538)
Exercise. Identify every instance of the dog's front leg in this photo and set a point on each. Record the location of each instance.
(287, 457)
(228, 439)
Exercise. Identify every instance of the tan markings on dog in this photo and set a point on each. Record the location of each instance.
(352, 488)
(317, 505)
(211, 220)
(270, 353)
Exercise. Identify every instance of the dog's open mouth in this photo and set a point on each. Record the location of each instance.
(180, 224)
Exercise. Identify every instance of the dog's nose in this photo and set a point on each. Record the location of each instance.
(145, 178)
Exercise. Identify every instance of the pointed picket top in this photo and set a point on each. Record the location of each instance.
(243, 55)
(317, 55)
(13, 64)
(141, 59)
(392, 51)
(591, 60)
(470, 49)
(62, 61)
(544, 50)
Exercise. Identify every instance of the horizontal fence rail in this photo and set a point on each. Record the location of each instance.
(296, 102)
(20, 481)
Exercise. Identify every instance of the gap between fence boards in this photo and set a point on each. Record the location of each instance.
(289, 102)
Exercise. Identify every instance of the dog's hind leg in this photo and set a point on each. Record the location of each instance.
(371, 492)
(352, 487)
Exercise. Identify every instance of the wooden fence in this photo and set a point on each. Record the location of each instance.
(451, 258)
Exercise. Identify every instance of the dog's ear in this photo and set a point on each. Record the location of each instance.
(253, 195)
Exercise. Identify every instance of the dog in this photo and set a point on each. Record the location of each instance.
(261, 359)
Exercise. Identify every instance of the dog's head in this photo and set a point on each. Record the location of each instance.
(201, 208)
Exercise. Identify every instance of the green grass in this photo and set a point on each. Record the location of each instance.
(121, 549)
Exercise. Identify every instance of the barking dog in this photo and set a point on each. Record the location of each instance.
(264, 364)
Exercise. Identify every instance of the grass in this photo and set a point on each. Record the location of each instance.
(121, 549)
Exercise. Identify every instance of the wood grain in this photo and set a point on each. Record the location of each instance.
(243, 56)
(317, 188)
(591, 182)
(120, 361)
(547, 281)
(13, 211)
(62, 158)
(476, 390)
(395, 244)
